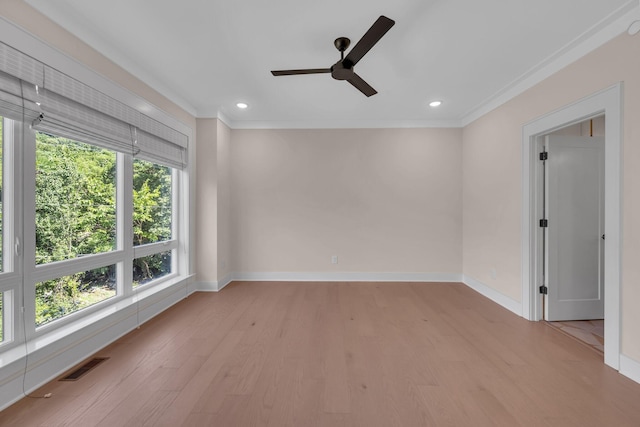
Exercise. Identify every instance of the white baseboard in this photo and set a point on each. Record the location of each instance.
(630, 368)
(213, 286)
(346, 277)
(206, 286)
(493, 295)
(225, 281)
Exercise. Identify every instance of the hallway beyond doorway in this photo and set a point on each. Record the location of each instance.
(589, 332)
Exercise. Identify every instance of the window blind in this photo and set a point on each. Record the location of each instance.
(12, 102)
(54, 102)
(69, 119)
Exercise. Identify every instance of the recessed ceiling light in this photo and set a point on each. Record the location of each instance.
(242, 105)
(435, 103)
(634, 28)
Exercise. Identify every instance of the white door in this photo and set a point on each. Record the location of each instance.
(575, 213)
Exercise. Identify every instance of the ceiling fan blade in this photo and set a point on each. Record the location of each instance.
(370, 38)
(306, 71)
(361, 85)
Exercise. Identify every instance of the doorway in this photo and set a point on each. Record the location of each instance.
(573, 260)
(606, 103)
(573, 212)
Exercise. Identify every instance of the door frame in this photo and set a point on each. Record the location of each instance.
(609, 103)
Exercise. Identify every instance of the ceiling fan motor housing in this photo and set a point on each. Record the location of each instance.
(340, 71)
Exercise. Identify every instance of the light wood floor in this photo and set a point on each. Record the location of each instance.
(340, 354)
(589, 332)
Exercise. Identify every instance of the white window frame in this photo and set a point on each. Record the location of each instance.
(122, 256)
(165, 245)
(11, 276)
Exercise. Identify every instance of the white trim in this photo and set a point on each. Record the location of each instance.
(495, 296)
(206, 286)
(214, 286)
(333, 124)
(346, 277)
(52, 354)
(630, 368)
(608, 102)
(224, 282)
(220, 116)
(607, 29)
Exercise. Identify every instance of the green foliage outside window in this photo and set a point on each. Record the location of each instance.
(65, 295)
(75, 199)
(76, 216)
(151, 267)
(151, 202)
(151, 218)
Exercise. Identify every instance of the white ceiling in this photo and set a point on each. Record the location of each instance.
(206, 55)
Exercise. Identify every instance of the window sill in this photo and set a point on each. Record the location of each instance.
(61, 336)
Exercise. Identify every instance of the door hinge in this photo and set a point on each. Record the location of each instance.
(544, 155)
(544, 290)
(544, 223)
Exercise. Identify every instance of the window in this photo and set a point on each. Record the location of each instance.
(146, 269)
(75, 199)
(152, 220)
(65, 295)
(75, 217)
(152, 197)
(88, 186)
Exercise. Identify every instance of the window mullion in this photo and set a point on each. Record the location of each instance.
(176, 219)
(154, 248)
(180, 222)
(66, 267)
(11, 276)
(124, 209)
(29, 229)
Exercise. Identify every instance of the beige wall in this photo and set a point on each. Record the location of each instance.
(224, 200)
(382, 200)
(492, 175)
(206, 201)
(213, 201)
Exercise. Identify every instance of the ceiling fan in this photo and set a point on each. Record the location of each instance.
(343, 69)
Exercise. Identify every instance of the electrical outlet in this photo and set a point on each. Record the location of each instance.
(493, 274)
(334, 259)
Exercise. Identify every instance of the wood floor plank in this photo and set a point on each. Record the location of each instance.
(339, 354)
(181, 407)
(336, 398)
(122, 412)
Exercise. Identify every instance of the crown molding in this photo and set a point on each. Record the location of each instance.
(607, 29)
(338, 124)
